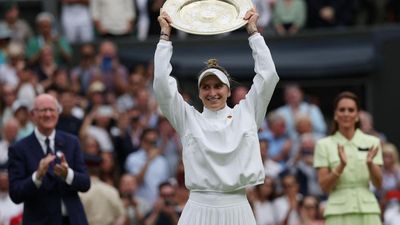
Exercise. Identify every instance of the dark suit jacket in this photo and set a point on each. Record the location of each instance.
(43, 205)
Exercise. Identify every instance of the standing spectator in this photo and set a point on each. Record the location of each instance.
(20, 29)
(347, 161)
(102, 203)
(48, 35)
(165, 208)
(113, 18)
(76, 21)
(9, 136)
(8, 208)
(289, 16)
(136, 207)
(47, 186)
(296, 106)
(148, 165)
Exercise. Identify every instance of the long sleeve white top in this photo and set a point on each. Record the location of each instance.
(221, 151)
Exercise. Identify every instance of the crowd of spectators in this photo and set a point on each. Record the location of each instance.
(111, 108)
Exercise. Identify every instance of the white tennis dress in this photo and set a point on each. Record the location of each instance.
(221, 152)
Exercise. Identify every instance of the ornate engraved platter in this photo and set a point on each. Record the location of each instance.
(207, 17)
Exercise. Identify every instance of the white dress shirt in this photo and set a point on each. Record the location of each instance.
(221, 151)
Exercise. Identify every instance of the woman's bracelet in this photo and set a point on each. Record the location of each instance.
(164, 36)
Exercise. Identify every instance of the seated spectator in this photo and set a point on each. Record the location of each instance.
(29, 85)
(9, 136)
(102, 203)
(271, 168)
(82, 74)
(330, 13)
(21, 109)
(96, 124)
(309, 211)
(296, 106)
(263, 203)
(279, 143)
(148, 166)
(170, 144)
(135, 207)
(76, 21)
(128, 139)
(9, 210)
(238, 94)
(289, 16)
(128, 100)
(303, 168)
(264, 9)
(5, 36)
(285, 207)
(20, 29)
(113, 18)
(112, 73)
(390, 171)
(67, 121)
(164, 211)
(15, 62)
(367, 125)
(47, 35)
(46, 66)
(8, 96)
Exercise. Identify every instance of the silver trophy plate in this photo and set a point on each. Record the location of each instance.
(207, 17)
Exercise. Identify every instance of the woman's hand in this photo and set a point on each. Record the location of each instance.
(371, 154)
(342, 155)
(165, 23)
(252, 17)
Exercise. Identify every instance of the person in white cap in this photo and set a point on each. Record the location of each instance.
(221, 151)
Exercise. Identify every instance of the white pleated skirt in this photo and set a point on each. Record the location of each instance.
(213, 208)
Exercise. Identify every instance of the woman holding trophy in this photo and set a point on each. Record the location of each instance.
(221, 152)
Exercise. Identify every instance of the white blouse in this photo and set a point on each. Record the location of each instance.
(221, 151)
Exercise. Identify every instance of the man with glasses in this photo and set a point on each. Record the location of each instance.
(46, 170)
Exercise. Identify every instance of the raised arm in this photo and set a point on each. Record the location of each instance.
(266, 77)
(165, 87)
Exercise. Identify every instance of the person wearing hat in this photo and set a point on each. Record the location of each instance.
(221, 151)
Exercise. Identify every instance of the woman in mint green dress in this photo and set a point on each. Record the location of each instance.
(347, 161)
